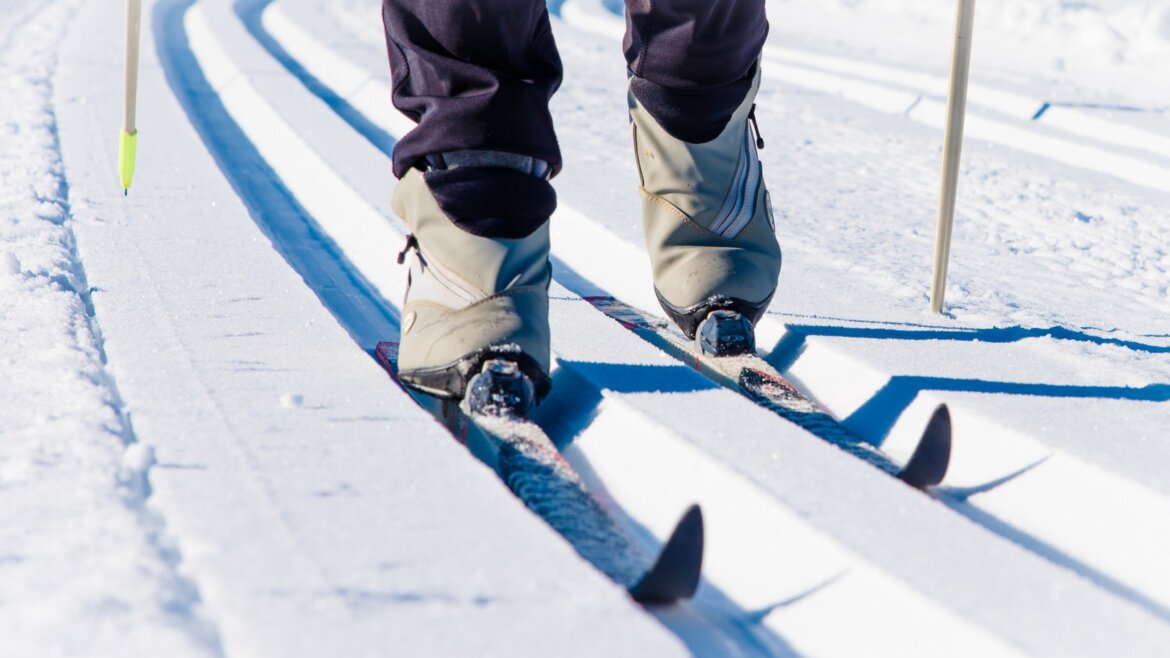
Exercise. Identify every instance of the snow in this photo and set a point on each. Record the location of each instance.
(347, 524)
(200, 457)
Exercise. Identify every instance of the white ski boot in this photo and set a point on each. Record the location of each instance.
(471, 299)
(708, 224)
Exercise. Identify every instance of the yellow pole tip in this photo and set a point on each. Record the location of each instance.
(127, 157)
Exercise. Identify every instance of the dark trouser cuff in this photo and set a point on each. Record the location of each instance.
(493, 202)
(695, 116)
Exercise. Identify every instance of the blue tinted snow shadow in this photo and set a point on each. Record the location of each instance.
(347, 294)
(639, 378)
(788, 349)
(616, 7)
(1105, 107)
(1057, 556)
(878, 415)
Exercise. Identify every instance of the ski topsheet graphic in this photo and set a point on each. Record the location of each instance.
(532, 467)
(757, 380)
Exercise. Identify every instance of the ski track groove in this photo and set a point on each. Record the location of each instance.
(267, 596)
(180, 599)
(167, 9)
(198, 60)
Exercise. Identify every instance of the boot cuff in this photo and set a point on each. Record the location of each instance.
(695, 116)
(493, 202)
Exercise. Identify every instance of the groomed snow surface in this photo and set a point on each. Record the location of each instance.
(199, 455)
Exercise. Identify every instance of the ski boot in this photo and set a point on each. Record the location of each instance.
(709, 228)
(472, 300)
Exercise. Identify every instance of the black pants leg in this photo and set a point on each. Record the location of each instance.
(474, 74)
(693, 60)
(479, 74)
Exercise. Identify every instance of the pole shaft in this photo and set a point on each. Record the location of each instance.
(952, 150)
(133, 25)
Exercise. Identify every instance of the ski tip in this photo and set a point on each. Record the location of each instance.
(676, 573)
(928, 465)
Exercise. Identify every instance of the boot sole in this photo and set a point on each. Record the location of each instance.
(688, 319)
(449, 382)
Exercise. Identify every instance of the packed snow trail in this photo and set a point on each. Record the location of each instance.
(288, 515)
(318, 510)
(351, 155)
(85, 558)
(337, 211)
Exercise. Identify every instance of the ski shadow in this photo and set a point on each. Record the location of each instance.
(785, 353)
(1056, 555)
(1101, 107)
(639, 378)
(877, 416)
(707, 622)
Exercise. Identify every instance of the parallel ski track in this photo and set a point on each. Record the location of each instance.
(364, 95)
(316, 188)
(608, 552)
(335, 102)
(310, 529)
(295, 169)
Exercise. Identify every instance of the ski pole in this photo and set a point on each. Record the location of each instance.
(952, 150)
(128, 140)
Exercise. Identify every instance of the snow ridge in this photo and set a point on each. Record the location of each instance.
(70, 442)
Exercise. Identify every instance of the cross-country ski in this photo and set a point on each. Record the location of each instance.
(756, 379)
